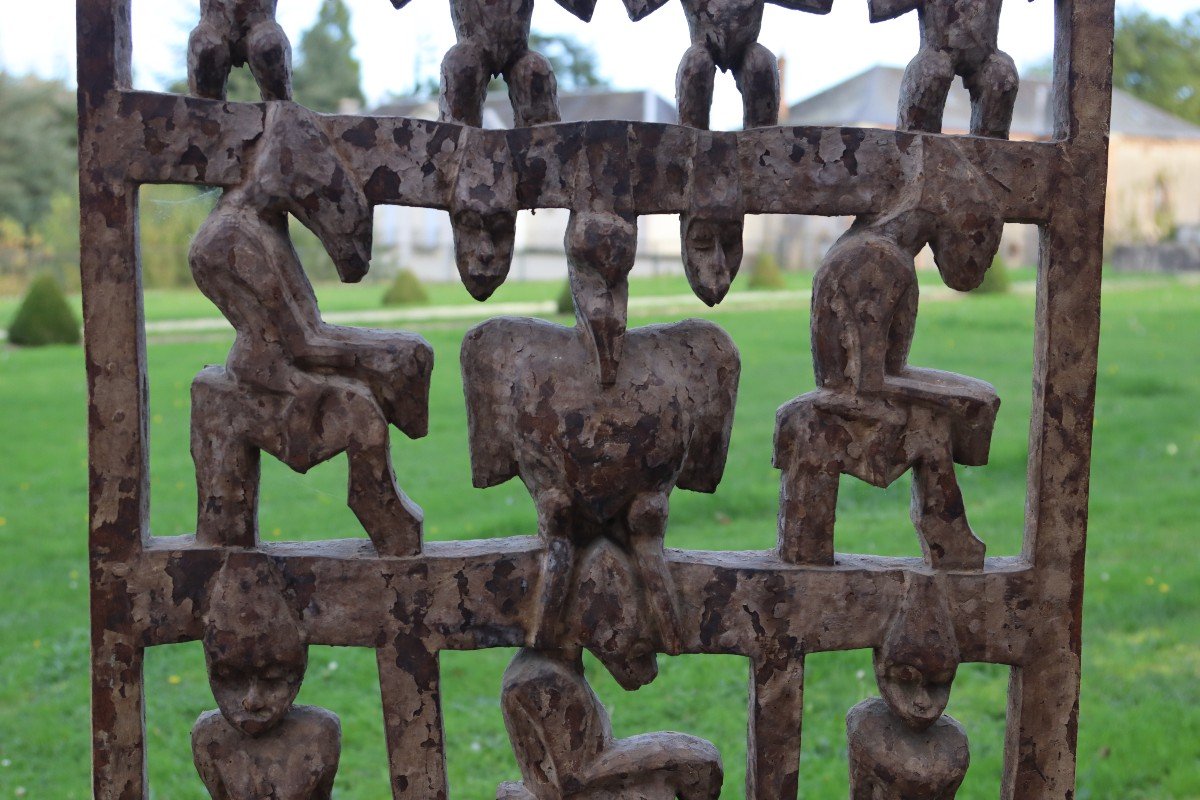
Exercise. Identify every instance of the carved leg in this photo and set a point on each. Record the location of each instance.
(647, 529)
(758, 81)
(464, 85)
(993, 90)
(940, 516)
(558, 567)
(270, 59)
(533, 90)
(334, 415)
(209, 62)
(694, 85)
(391, 519)
(923, 92)
(808, 488)
(776, 712)
(227, 466)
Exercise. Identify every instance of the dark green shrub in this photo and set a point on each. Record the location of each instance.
(996, 280)
(565, 303)
(406, 290)
(44, 317)
(766, 274)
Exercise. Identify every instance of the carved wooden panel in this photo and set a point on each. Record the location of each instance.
(600, 422)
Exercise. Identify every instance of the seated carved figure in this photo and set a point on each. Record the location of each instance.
(958, 37)
(872, 415)
(294, 386)
(598, 423)
(564, 743)
(903, 746)
(235, 33)
(259, 745)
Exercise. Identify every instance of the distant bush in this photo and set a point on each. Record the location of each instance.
(44, 317)
(406, 290)
(565, 303)
(996, 280)
(766, 274)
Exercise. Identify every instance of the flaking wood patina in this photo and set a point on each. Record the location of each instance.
(601, 423)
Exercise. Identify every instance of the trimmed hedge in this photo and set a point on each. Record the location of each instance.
(44, 317)
(996, 280)
(766, 274)
(406, 290)
(564, 302)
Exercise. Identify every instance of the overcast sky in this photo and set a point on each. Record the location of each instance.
(394, 46)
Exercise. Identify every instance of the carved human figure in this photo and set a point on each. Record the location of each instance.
(903, 746)
(600, 424)
(873, 416)
(725, 36)
(292, 385)
(235, 33)
(563, 740)
(958, 37)
(493, 40)
(258, 744)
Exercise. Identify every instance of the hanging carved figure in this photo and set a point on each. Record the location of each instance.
(292, 385)
(563, 740)
(725, 36)
(493, 40)
(236, 33)
(258, 744)
(873, 416)
(958, 37)
(600, 424)
(902, 745)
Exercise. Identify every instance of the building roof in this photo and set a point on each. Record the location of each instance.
(870, 98)
(593, 104)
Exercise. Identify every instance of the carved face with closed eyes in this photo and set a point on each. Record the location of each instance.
(918, 660)
(253, 645)
(712, 255)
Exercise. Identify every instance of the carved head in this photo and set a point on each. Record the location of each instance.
(712, 254)
(917, 662)
(298, 170)
(483, 212)
(483, 247)
(711, 229)
(601, 248)
(964, 219)
(253, 644)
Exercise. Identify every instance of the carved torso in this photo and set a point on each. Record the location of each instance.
(726, 27)
(239, 15)
(966, 29)
(864, 313)
(890, 761)
(248, 268)
(608, 445)
(296, 760)
(500, 27)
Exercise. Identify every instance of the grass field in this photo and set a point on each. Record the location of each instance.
(188, 304)
(1140, 718)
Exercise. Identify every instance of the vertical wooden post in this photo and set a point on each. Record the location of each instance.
(1044, 692)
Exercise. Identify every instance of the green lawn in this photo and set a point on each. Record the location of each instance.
(1142, 654)
(188, 304)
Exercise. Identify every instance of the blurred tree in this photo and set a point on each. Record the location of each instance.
(326, 71)
(1158, 61)
(37, 151)
(576, 65)
(1154, 59)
